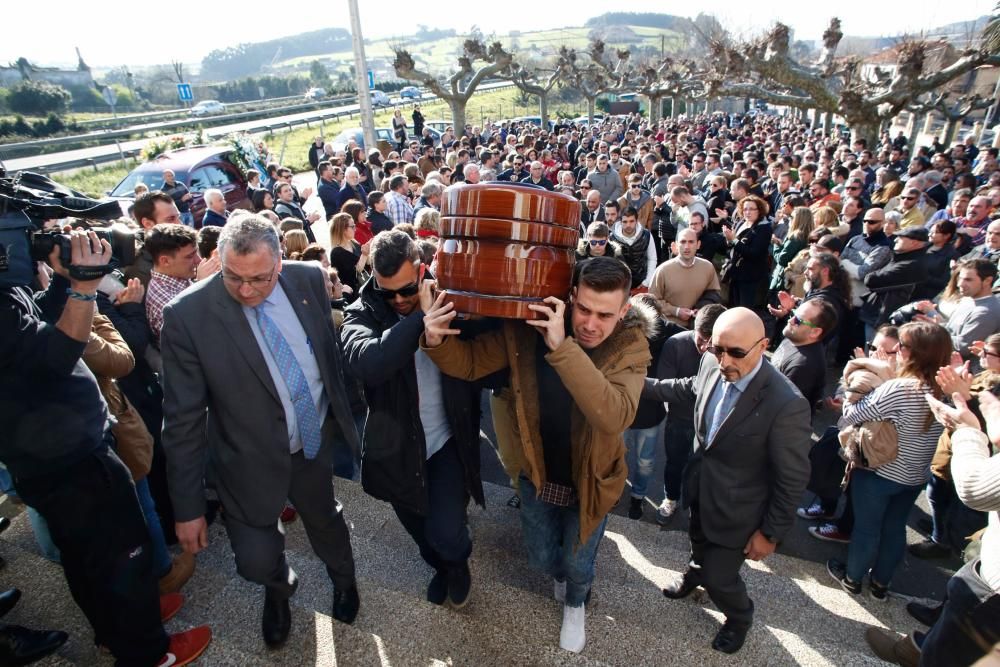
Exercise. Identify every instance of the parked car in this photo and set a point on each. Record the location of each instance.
(207, 108)
(410, 93)
(438, 126)
(197, 167)
(380, 99)
(382, 134)
(314, 94)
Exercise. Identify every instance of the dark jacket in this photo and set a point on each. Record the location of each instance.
(380, 349)
(679, 358)
(328, 192)
(938, 271)
(750, 253)
(892, 286)
(214, 219)
(380, 221)
(295, 211)
(542, 182)
(348, 193)
(651, 411)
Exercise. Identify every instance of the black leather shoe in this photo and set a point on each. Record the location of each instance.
(683, 589)
(459, 585)
(437, 590)
(277, 620)
(8, 599)
(730, 637)
(346, 604)
(924, 614)
(4, 523)
(21, 646)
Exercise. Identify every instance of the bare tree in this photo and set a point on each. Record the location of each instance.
(537, 81)
(178, 68)
(667, 79)
(599, 75)
(764, 69)
(460, 86)
(953, 111)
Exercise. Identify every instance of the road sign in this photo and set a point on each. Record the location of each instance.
(110, 96)
(184, 92)
(371, 79)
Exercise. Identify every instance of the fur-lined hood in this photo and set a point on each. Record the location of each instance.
(642, 315)
(583, 250)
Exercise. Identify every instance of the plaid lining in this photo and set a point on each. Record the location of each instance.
(557, 494)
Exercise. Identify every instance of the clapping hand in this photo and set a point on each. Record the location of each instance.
(553, 327)
(132, 293)
(955, 380)
(953, 417)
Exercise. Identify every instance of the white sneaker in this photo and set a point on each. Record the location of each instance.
(573, 637)
(666, 510)
(559, 590)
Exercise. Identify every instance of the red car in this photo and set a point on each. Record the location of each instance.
(197, 167)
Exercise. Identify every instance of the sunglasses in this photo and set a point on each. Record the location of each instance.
(406, 291)
(798, 321)
(598, 242)
(733, 352)
(869, 221)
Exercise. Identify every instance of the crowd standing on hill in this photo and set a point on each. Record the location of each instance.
(727, 266)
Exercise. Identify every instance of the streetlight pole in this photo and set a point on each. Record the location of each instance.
(361, 78)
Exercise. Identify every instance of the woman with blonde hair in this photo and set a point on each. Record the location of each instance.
(347, 255)
(796, 240)
(826, 216)
(295, 241)
(427, 223)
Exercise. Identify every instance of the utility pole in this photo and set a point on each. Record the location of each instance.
(361, 78)
(663, 47)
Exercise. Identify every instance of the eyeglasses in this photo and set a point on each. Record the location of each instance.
(987, 353)
(598, 242)
(406, 291)
(734, 352)
(796, 320)
(853, 187)
(254, 283)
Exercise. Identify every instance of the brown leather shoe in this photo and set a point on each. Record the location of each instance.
(180, 571)
(892, 648)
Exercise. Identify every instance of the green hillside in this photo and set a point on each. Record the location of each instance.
(439, 55)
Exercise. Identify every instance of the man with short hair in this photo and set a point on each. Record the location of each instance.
(991, 248)
(215, 208)
(636, 242)
(286, 207)
(801, 356)
(536, 176)
(180, 194)
(328, 189)
(516, 173)
(606, 180)
(683, 204)
(421, 450)
(685, 283)
(912, 215)
(749, 468)
(174, 251)
(150, 209)
(891, 286)
(820, 195)
(399, 209)
(272, 440)
(430, 196)
(852, 213)
(977, 219)
(471, 173)
(590, 378)
(977, 315)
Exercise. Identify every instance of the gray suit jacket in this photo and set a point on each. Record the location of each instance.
(755, 471)
(220, 405)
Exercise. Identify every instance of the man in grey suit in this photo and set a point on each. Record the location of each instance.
(749, 467)
(253, 382)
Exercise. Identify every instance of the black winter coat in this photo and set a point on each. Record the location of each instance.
(892, 286)
(380, 349)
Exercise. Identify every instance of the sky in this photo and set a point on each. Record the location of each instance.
(117, 34)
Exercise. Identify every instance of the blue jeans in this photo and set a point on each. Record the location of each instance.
(970, 619)
(551, 536)
(640, 456)
(881, 507)
(161, 557)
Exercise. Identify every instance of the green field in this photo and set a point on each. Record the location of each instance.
(440, 54)
(492, 105)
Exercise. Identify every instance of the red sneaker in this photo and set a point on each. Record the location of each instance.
(170, 604)
(185, 647)
(288, 514)
(828, 532)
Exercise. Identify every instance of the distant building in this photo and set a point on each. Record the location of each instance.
(22, 70)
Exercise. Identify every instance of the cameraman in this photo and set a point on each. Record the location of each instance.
(58, 450)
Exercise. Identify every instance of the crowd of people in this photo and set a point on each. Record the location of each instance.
(729, 269)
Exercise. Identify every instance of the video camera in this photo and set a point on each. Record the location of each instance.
(27, 201)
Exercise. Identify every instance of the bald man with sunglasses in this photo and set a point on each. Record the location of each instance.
(748, 470)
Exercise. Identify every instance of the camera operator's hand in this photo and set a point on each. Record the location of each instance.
(192, 535)
(132, 293)
(86, 250)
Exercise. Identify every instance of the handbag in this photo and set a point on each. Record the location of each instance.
(868, 446)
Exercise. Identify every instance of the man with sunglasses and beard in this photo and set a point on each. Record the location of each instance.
(748, 470)
(421, 440)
